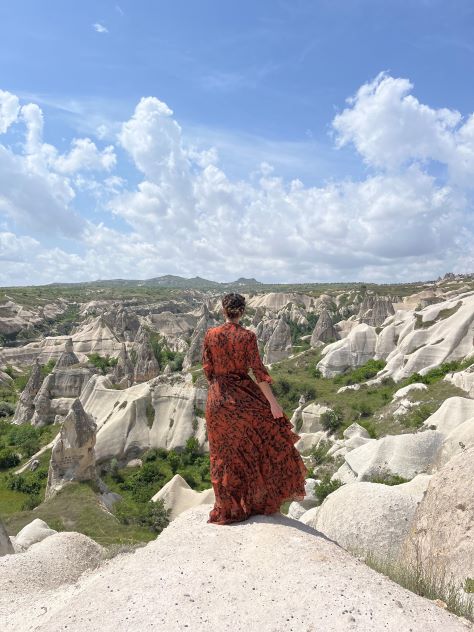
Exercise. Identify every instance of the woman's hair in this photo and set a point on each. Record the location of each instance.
(233, 304)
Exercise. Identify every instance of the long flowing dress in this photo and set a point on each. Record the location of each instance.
(254, 465)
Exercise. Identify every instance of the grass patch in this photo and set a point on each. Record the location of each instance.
(429, 585)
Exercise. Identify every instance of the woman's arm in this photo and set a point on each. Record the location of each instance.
(263, 377)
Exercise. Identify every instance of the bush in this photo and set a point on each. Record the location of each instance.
(320, 453)
(25, 437)
(146, 514)
(8, 458)
(363, 408)
(101, 362)
(326, 487)
(6, 409)
(332, 420)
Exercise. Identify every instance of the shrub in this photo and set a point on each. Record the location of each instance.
(363, 408)
(320, 453)
(6, 409)
(101, 362)
(174, 460)
(326, 487)
(8, 458)
(332, 420)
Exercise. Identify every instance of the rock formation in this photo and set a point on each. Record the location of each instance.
(123, 372)
(25, 407)
(146, 365)
(68, 357)
(178, 496)
(374, 310)
(6, 547)
(269, 573)
(369, 517)
(193, 355)
(324, 330)
(441, 539)
(355, 350)
(279, 345)
(73, 455)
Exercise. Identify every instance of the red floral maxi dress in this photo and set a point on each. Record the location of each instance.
(254, 464)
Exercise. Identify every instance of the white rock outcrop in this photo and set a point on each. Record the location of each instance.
(178, 496)
(368, 517)
(352, 351)
(268, 573)
(35, 531)
(441, 538)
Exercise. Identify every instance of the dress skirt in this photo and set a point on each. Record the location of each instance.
(254, 464)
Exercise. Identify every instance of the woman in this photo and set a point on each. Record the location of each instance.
(254, 464)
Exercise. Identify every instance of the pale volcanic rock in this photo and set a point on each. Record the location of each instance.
(25, 407)
(406, 455)
(146, 365)
(323, 330)
(73, 455)
(453, 412)
(256, 564)
(178, 496)
(441, 537)
(279, 345)
(355, 350)
(402, 392)
(311, 417)
(374, 310)
(35, 531)
(68, 357)
(463, 380)
(6, 546)
(368, 517)
(194, 353)
(123, 372)
(277, 300)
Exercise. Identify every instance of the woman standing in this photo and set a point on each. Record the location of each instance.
(254, 464)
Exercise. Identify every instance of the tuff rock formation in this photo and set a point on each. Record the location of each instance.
(68, 357)
(6, 546)
(441, 538)
(276, 574)
(324, 330)
(279, 345)
(193, 354)
(25, 407)
(374, 310)
(178, 496)
(123, 372)
(73, 455)
(146, 365)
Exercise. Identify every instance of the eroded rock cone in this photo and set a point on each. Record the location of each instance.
(324, 330)
(146, 367)
(193, 354)
(73, 454)
(123, 371)
(375, 309)
(25, 408)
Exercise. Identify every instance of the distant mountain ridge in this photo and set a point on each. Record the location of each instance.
(166, 280)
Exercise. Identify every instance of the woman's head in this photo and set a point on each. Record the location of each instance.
(233, 305)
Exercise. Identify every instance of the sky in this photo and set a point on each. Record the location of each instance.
(285, 140)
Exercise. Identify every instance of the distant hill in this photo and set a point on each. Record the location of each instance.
(166, 280)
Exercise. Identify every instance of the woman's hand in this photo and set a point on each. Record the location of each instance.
(277, 410)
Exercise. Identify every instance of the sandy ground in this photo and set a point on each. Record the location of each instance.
(267, 574)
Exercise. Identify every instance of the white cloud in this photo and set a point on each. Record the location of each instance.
(100, 28)
(390, 128)
(187, 216)
(9, 108)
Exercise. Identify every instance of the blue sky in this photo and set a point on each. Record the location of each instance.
(263, 84)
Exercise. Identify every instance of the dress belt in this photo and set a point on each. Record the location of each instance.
(230, 376)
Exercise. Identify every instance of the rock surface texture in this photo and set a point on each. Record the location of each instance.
(269, 573)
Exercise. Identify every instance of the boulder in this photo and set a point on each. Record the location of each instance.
(441, 538)
(463, 380)
(367, 518)
(311, 417)
(297, 509)
(402, 392)
(178, 496)
(33, 532)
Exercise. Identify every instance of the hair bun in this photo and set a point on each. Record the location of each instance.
(233, 304)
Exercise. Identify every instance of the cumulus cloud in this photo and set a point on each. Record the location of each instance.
(187, 216)
(389, 128)
(9, 108)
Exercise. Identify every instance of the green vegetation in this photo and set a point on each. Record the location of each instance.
(362, 373)
(104, 363)
(326, 487)
(385, 477)
(444, 313)
(428, 584)
(163, 354)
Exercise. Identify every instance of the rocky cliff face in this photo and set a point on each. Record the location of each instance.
(279, 344)
(25, 408)
(324, 330)
(146, 366)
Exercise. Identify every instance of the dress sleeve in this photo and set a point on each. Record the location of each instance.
(206, 357)
(258, 368)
